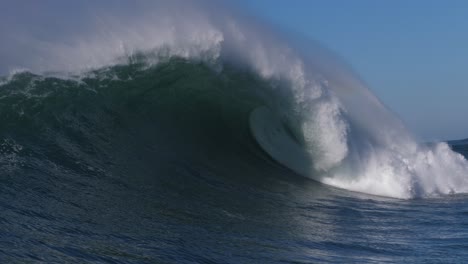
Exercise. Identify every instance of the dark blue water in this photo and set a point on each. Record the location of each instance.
(144, 170)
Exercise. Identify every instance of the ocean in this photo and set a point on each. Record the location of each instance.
(217, 143)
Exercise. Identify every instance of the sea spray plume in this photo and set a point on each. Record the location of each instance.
(104, 35)
(341, 133)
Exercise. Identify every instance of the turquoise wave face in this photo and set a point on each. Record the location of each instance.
(132, 114)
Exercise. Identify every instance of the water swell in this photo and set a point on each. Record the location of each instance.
(130, 119)
(187, 85)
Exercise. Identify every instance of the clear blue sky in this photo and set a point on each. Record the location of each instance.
(412, 53)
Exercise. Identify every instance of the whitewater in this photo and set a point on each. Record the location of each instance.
(345, 136)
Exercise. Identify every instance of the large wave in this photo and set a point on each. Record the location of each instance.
(303, 107)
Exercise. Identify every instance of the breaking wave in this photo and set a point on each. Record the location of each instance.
(202, 82)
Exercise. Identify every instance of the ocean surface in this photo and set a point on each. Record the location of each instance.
(198, 135)
(158, 165)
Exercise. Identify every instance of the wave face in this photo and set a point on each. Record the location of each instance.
(213, 86)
